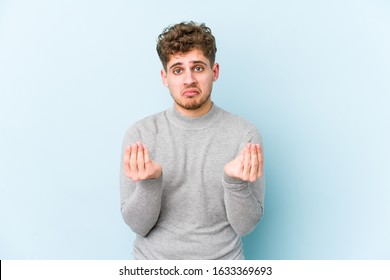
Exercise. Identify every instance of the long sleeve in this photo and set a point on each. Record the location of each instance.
(140, 201)
(244, 201)
(192, 211)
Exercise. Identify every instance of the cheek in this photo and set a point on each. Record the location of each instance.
(174, 86)
(175, 83)
(207, 82)
(171, 82)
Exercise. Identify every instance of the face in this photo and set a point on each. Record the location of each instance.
(190, 77)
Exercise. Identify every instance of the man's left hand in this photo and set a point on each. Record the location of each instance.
(248, 166)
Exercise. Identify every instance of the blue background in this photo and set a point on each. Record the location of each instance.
(314, 76)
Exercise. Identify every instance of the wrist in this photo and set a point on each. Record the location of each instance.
(232, 179)
(157, 176)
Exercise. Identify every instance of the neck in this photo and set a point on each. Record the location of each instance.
(194, 123)
(202, 110)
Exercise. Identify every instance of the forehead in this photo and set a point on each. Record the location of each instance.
(187, 57)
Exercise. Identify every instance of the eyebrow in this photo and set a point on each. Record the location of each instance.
(193, 62)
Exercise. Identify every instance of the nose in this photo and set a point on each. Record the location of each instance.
(189, 78)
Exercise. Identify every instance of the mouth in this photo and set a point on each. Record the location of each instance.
(190, 92)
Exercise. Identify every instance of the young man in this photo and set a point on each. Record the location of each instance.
(192, 176)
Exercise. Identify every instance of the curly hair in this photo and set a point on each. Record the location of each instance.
(184, 37)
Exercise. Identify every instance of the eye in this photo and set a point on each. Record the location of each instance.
(177, 71)
(198, 68)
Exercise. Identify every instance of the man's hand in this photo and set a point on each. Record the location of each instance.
(138, 165)
(248, 166)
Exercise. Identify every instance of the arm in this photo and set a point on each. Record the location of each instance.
(141, 186)
(243, 182)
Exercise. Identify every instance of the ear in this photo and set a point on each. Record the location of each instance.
(164, 77)
(215, 71)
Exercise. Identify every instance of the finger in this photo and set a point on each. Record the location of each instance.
(254, 163)
(247, 163)
(148, 162)
(260, 159)
(133, 160)
(146, 157)
(140, 159)
(126, 161)
(241, 156)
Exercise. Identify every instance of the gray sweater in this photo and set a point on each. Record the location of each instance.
(194, 210)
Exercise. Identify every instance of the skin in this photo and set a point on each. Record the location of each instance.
(190, 77)
(248, 166)
(138, 165)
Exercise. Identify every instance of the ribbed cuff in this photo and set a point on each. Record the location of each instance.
(151, 183)
(233, 183)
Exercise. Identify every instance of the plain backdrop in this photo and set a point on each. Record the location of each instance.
(314, 76)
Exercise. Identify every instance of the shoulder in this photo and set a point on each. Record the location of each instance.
(151, 122)
(147, 127)
(237, 122)
(237, 125)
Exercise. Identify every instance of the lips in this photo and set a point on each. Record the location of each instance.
(190, 92)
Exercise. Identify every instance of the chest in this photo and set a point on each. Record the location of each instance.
(195, 153)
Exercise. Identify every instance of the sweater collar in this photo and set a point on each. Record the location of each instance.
(194, 123)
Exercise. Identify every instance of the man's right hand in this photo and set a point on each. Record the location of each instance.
(138, 165)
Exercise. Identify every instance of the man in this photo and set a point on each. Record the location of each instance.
(192, 176)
